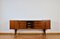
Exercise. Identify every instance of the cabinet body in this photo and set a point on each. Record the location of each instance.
(34, 24)
(42, 24)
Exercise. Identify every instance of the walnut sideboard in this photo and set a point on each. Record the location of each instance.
(30, 24)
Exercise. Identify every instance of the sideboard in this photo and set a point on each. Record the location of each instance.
(30, 24)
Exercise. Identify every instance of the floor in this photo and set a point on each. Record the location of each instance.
(37, 36)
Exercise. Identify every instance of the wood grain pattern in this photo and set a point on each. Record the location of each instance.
(48, 24)
(42, 24)
(22, 25)
(12, 24)
(39, 25)
(35, 36)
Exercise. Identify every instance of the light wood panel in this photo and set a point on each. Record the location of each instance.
(29, 36)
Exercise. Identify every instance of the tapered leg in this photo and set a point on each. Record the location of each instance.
(15, 31)
(44, 30)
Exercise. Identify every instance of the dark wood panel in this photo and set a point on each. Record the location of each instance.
(48, 24)
(12, 24)
(16, 25)
(42, 24)
(39, 25)
(22, 25)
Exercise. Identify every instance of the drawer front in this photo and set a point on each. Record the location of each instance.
(39, 25)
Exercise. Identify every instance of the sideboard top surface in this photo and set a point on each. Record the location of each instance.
(29, 20)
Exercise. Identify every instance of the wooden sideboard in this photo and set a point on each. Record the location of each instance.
(30, 24)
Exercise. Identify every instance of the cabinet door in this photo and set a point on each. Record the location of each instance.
(12, 24)
(22, 24)
(48, 24)
(16, 25)
(39, 25)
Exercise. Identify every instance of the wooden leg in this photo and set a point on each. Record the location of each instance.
(44, 31)
(15, 31)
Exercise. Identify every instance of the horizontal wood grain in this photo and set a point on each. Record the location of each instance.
(42, 24)
(58, 33)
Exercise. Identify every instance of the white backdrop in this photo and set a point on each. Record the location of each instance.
(29, 10)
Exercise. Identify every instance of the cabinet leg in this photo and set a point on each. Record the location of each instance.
(15, 31)
(44, 30)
